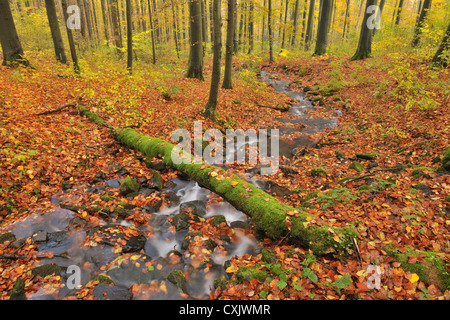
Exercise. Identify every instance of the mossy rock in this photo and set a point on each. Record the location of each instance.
(317, 172)
(157, 180)
(18, 291)
(432, 270)
(102, 278)
(8, 236)
(356, 165)
(177, 278)
(222, 283)
(446, 160)
(447, 198)
(268, 256)
(317, 98)
(46, 270)
(128, 186)
(339, 154)
(217, 220)
(248, 273)
(366, 156)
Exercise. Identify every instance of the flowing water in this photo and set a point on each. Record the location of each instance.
(56, 231)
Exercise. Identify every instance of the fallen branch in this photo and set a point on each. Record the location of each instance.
(69, 105)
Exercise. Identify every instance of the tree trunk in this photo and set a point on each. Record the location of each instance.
(269, 25)
(346, 18)
(105, 20)
(322, 30)
(210, 109)
(73, 52)
(309, 26)
(251, 26)
(129, 37)
(440, 59)
(285, 24)
(365, 38)
(195, 67)
(419, 26)
(152, 32)
(295, 22)
(175, 30)
(56, 32)
(399, 11)
(117, 34)
(227, 83)
(269, 215)
(11, 47)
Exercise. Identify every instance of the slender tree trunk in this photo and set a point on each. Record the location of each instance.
(195, 67)
(152, 32)
(322, 30)
(440, 59)
(364, 49)
(251, 26)
(382, 2)
(420, 23)
(129, 37)
(11, 47)
(227, 83)
(210, 109)
(55, 31)
(105, 20)
(175, 30)
(263, 25)
(285, 24)
(346, 18)
(399, 11)
(236, 39)
(295, 22)
(117, 34)
(269, 25)
(309, 26)
(73, 52)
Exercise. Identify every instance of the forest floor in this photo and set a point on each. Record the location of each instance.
(380, 167)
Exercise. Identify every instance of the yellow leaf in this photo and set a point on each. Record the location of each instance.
(163, 287)
(414, 278)
(234, 183)
(135, 257)
(213, 174)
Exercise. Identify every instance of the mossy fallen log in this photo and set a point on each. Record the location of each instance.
(270, 215)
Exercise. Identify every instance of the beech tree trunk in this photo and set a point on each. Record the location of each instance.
(364, 49)
(55, 31)
(11, 47)
(210, 109)
(419, 25)
(227, 83)
(129, 37)
(440, 59)
(310, 24)
(269, 25)
(322, 30)
(195, 67)
(73, 51)
(152, 32)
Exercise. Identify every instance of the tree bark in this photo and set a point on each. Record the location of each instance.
(419, 25)
(11, 47)
(210, 109)
(399, 11)
(195, 67)
(227, 83)
(322, 30)
(129, 37)
(269, 25)
(175, 30)
(295, 22)
(441, 60)
(309, 26)
(285, 24)
(55, 31)
(117, 34)
(152, 32)
(346, 18)
(73, 51)
(364, 49)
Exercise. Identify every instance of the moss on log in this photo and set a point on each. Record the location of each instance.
(270, 215)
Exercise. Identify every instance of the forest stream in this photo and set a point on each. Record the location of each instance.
(169, 246)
